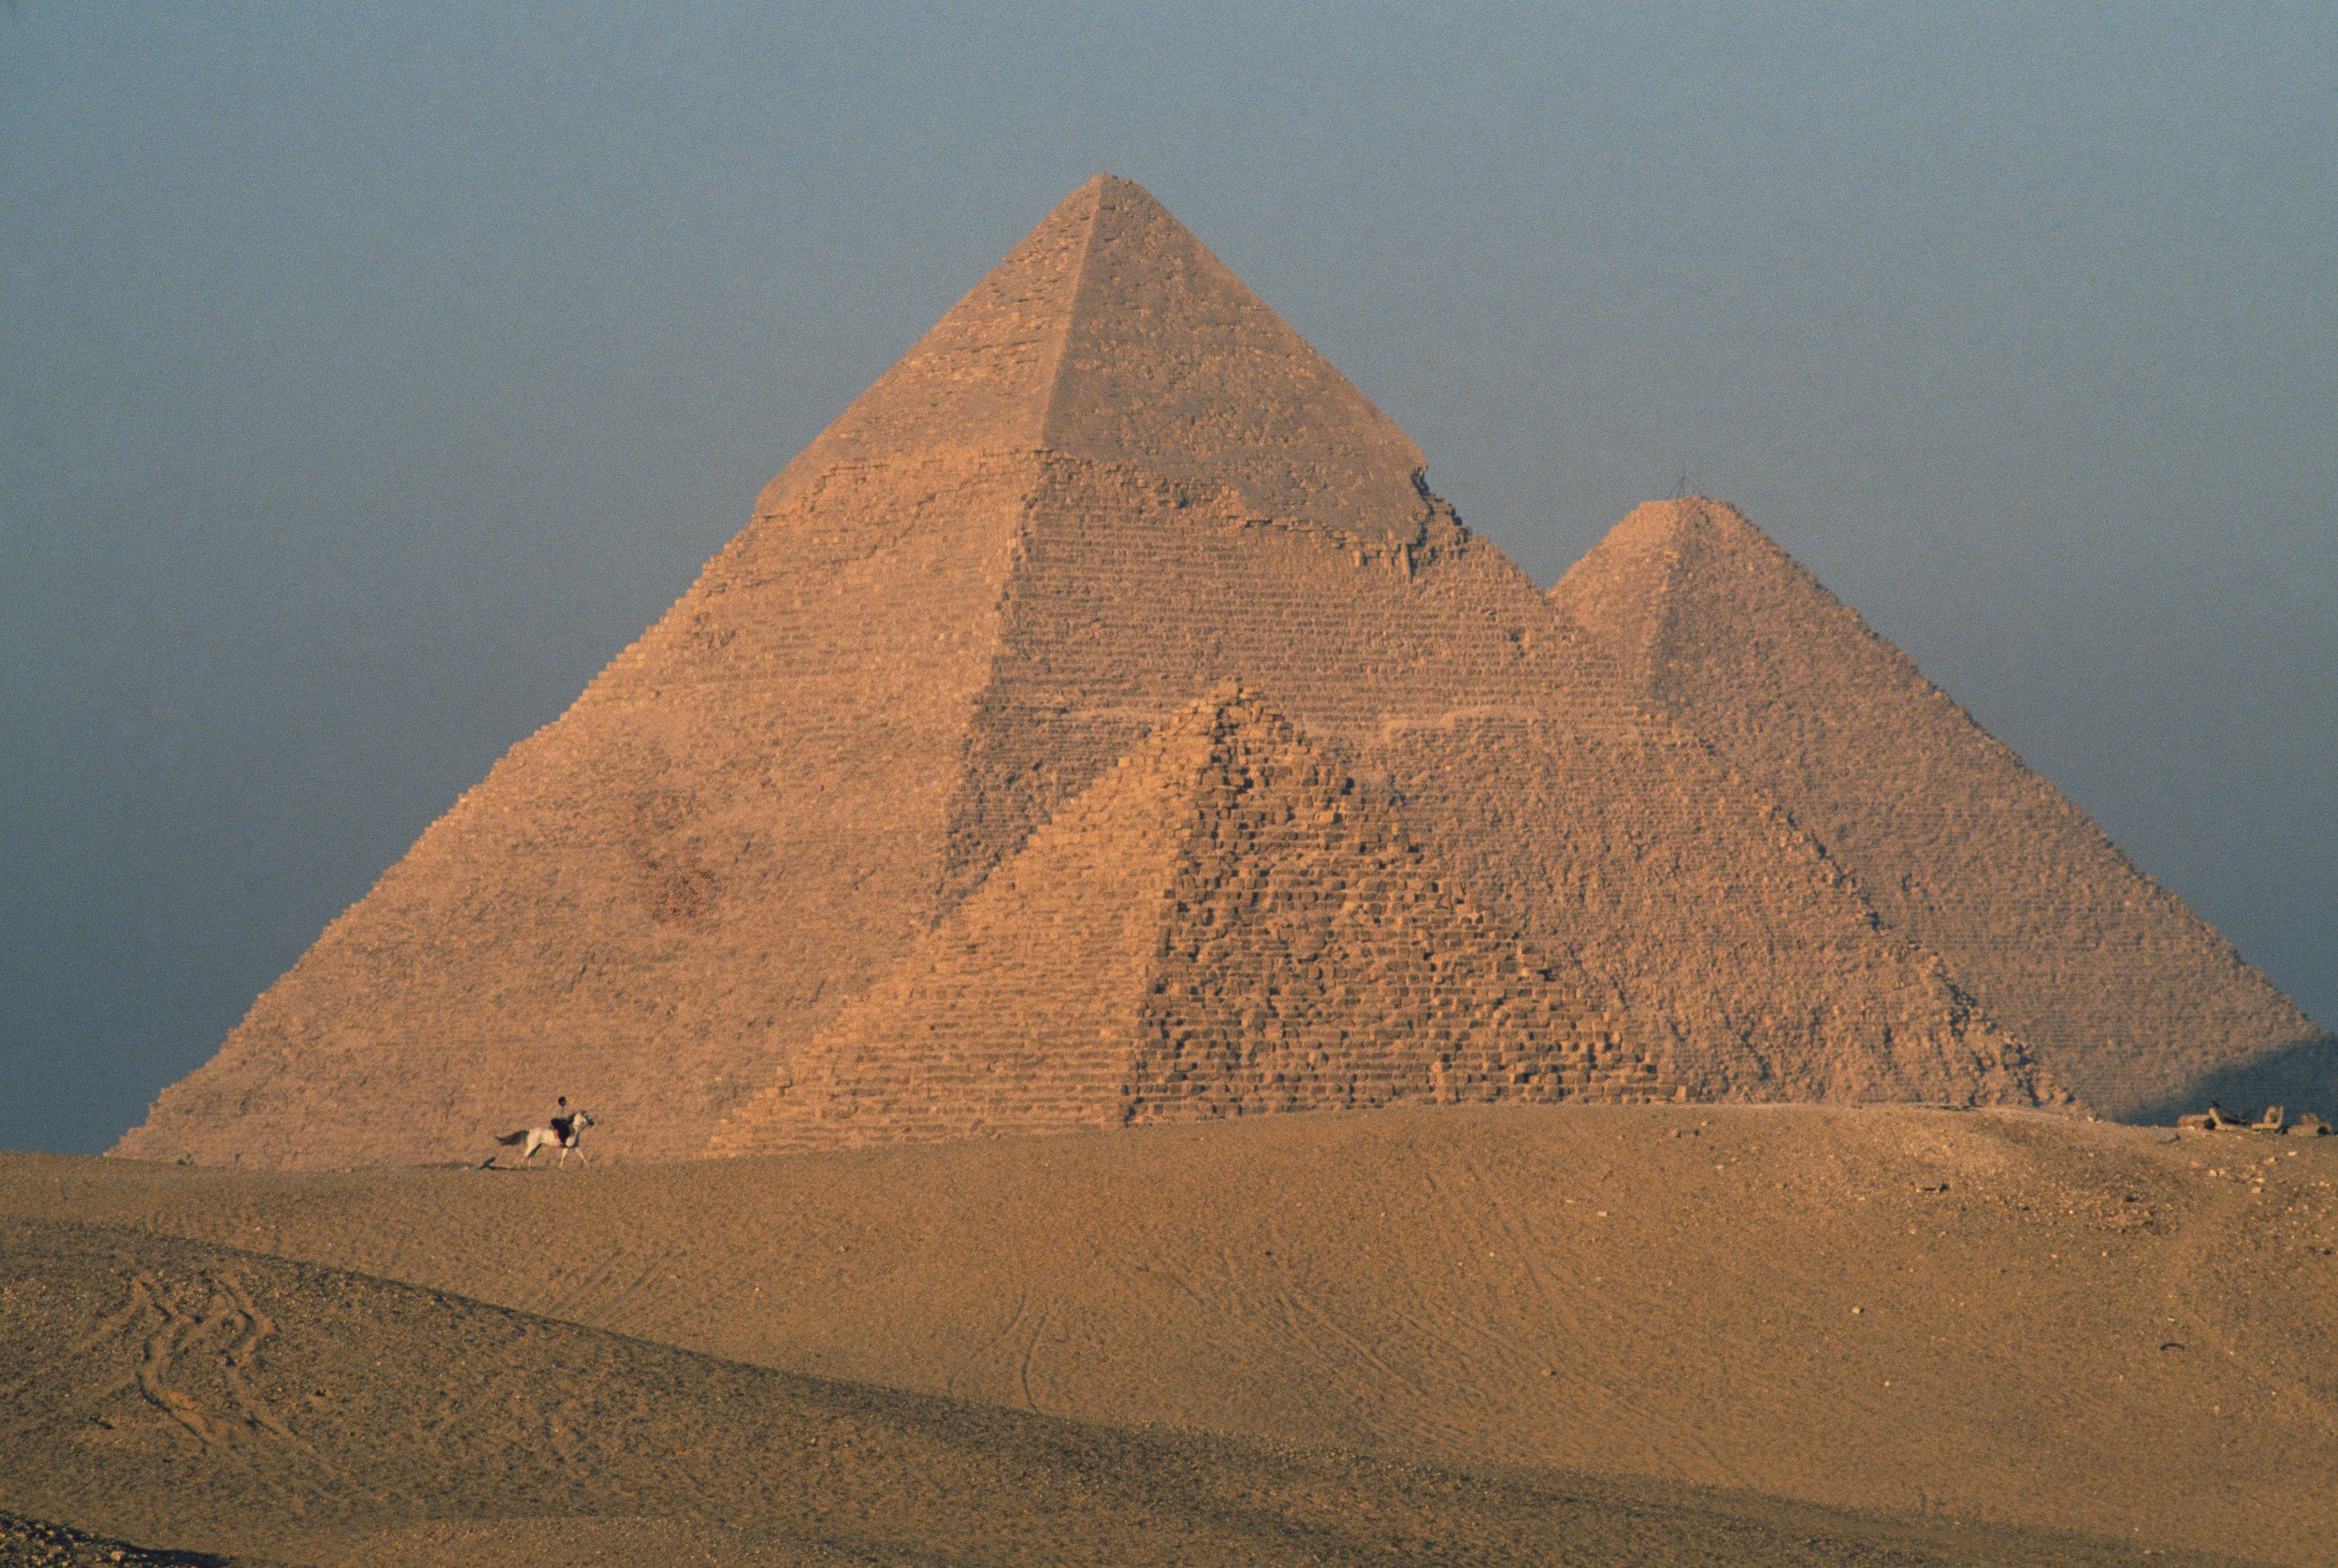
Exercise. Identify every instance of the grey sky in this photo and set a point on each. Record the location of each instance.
(370, 374)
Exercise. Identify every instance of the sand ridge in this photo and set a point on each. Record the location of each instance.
(207, 1398)
(1962, 1316)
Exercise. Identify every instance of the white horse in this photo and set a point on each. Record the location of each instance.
(565, 1132)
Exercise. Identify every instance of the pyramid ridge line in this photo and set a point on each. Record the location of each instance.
(1683, 521)
(1674, 527)
(1730, 525)
(1051, 400)
(1227, 798)
(1975, 1019)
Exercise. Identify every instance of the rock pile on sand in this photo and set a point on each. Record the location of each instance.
(923, 812)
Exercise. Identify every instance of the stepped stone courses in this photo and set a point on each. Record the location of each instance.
(733, 829)
(1225, 923)
(841, 848)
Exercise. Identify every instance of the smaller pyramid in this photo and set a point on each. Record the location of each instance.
(2123, 995)
(1225, 923)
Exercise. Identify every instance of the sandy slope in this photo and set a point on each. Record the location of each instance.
(162, 1390)
(1973, 1315)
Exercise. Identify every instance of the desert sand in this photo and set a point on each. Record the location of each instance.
(199, 1394)
(1497, 1334)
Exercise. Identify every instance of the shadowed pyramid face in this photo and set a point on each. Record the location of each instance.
(761, 806)
(1108, 482)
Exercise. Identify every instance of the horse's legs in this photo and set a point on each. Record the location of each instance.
(563, 1159)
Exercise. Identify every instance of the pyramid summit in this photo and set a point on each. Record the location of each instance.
(1112, 334)
(1101, 721)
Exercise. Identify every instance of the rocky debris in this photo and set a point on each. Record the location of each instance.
(2274, 1119)
(1227, 924)
(26, 1542)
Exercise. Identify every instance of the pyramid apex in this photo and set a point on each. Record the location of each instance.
(1641, 561)
(1112, 334)
(1229, 696)
(1229, 711)
(1623, 590)
(1111, 192)
(1682, 516)
(1236, 702)
(1171, 364)
(1082, 204)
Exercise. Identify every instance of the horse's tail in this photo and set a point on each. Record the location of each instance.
(519, 1137)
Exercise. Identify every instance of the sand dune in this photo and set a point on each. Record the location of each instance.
(1957, 1316)
(169, 1390)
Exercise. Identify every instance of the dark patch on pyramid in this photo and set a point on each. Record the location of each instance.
(2123, 993)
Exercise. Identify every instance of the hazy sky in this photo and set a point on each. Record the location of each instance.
(370, 374)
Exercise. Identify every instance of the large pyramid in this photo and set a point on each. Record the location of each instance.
(795, 826)
(2124, 995)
